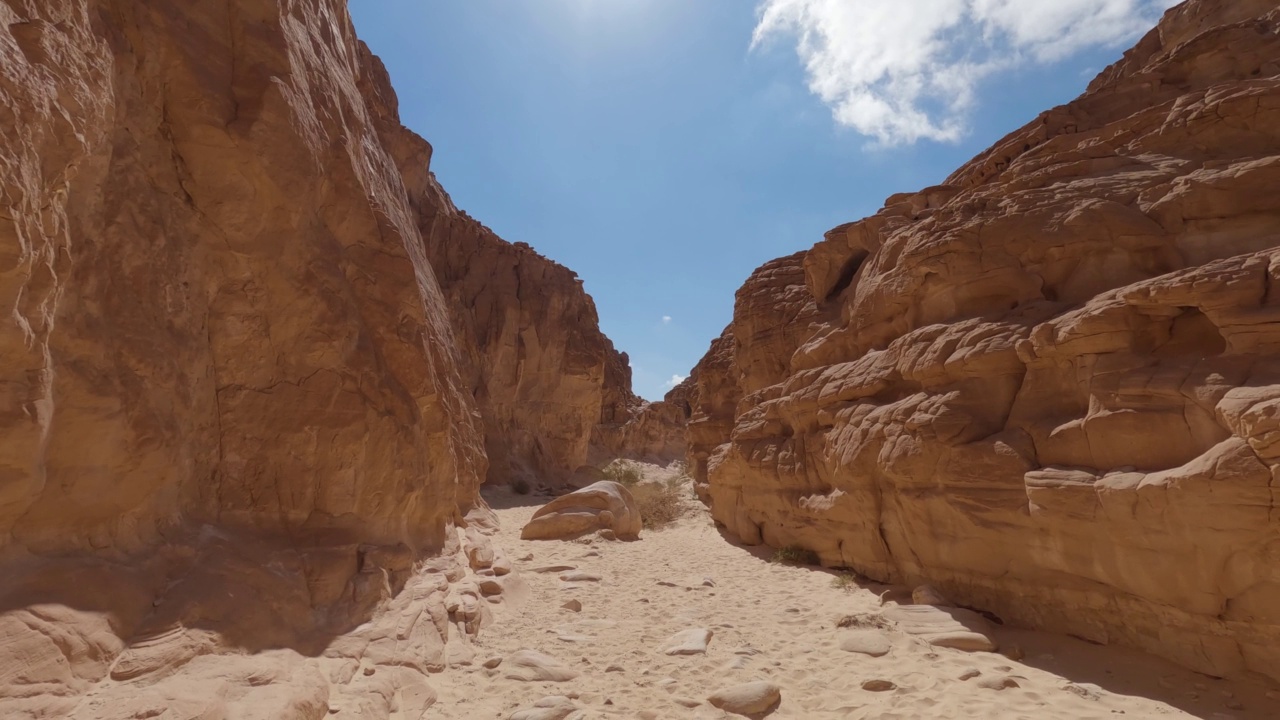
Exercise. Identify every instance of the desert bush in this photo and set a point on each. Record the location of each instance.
(845, 581)
(520, 486)
(621, 471)
(795, 555)
(659, 504)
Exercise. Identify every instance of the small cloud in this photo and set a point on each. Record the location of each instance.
(666, 319)
(675, 380)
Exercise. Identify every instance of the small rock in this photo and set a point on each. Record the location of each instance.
(501, 566)
(549, 708)
(688, 642)
(866, 642)
(554, 568)
(533, 666)
(708, 582)
(580, 576)
(1088, 692)
(747, 699)
(574, 605)
(878, 685)
(607, 534)
(526, 557)
(998, 683)
(489, 586)
(479, 550)
(492, 662)
(687, 702)
(614, 668)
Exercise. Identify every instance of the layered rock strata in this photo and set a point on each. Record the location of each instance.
(254, 365)
(1047, 386)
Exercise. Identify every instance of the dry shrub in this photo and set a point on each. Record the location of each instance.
(659, 504)
(621, 471)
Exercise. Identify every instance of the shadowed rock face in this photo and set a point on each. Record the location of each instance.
(251, 360)
(1048, 385)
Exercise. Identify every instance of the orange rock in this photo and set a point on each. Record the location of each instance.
(1047, 386)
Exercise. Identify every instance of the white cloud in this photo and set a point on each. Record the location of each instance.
(905, 70)
(666, 319)
(675, 380)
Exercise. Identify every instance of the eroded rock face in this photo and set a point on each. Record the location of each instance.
(222, 311)
(1046, 386)
(249, 371)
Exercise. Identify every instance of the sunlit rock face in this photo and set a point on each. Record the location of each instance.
(1048, 386)
(251, 360)
(220, 305)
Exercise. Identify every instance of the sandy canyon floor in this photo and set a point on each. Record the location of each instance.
(779, 623)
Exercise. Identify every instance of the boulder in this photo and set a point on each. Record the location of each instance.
(605, 505)
(751, 698)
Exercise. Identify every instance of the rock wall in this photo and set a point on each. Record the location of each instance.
(221, 310)
(252, 360)
(635, 429)
(1047, 386)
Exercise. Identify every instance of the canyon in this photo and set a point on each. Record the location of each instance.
(275, 410)
(1047, 386)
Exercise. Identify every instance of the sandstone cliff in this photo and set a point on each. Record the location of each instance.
(1047, 386)
(252, 361)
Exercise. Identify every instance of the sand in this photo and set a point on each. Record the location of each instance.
(778, 623)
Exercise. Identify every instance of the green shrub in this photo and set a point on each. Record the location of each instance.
(795, 555)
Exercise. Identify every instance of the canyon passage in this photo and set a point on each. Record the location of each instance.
(287, 434)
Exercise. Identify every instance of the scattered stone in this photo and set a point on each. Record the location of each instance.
(556, 707)
(492, 663)
(1088, 692)
(875, 643)
(944, 626)
(554, 568)
(708, 582)
(501, 566)
(527, 557)
(970, 674)
(533, 666)
(614, 668)
(574, 605)
(878, 685)
(490, 586)
(580, 576)
(688, 642)
(687, 702)
(479, 550)
(1002, 682)
(747, 699)
(664, 583)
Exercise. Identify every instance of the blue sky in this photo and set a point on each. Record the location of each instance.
(663, 149)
